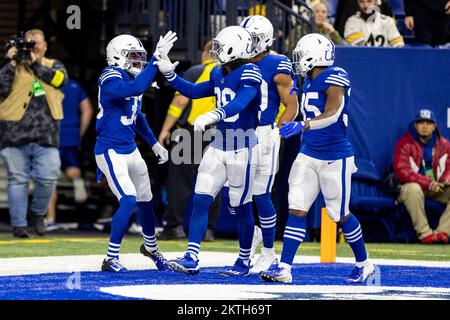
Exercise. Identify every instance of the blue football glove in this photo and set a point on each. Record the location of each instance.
(290, 129)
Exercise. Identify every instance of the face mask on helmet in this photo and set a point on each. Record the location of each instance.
(301, 62)
(136, 60)
(258, 47)
(215, 51)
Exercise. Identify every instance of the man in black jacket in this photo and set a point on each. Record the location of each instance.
(428, 19)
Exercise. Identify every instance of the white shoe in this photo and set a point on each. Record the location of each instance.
(265, 260)
(277, 273)
(360, 274)
(79, 189)
(257, 239)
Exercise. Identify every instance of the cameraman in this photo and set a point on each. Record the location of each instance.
(30, 110)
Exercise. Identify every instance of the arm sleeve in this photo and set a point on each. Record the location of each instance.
(285, 66)
(337, 78)
(353, 33)
(446, 174)
(243, 97)
(394, 37)
(55, 76)
(118, 89)
(144, 130)
(6, 79)
(189, 89)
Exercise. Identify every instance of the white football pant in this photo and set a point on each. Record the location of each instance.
(127, 174)
(267, 161)
(238, 167)
(309, 176)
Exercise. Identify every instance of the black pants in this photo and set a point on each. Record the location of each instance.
(430, 28)
(181, 182)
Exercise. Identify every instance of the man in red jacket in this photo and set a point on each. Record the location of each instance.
(422, 165)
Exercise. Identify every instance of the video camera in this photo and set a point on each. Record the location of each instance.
(23, 47)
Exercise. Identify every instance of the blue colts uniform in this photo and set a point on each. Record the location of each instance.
(231, 155)
(325, 162)
(116, 119)
(270, 66)
(119, 117)
(329, 143)
(238, 129)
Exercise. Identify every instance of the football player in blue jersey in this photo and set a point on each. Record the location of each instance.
(230, 156)
(325, 162)
(121, 86)
(277, 81)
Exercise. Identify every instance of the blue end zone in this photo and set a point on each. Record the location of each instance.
(54, 286)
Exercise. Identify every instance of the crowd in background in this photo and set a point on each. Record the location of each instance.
(60, 141)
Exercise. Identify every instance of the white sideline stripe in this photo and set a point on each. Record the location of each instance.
(246, 292)
(134, 261)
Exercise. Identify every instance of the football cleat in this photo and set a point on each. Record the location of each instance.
(157, 257)
(239, 269)
(276, 274)
(113, 265)
(263, 263)
(185, 264)
(257, 239)
(359, 275)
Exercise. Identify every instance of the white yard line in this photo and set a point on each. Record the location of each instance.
(69, 264)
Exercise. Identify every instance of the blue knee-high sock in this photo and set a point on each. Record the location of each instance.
(246, 226)
(353, 234)
(294, 234)
(146, 216)
(199, 222)
(119, 224)
(267, 218)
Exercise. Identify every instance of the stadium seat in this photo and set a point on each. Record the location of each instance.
(370, 204)
(404, 228)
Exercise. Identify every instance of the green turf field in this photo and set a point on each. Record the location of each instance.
(57, 246)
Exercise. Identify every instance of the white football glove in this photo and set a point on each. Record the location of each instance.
(165, 44)
(203, 120)
(164, 64)
(161, 153)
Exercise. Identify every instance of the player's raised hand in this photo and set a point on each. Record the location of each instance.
(161, 153)
(165, 44)
(164, 64)
(292, 128)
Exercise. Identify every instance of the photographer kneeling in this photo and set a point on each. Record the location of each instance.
(30, 110)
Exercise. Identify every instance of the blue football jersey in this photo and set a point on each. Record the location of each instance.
(329, 143)
(116, 118)
(239, 130)
(270, 66)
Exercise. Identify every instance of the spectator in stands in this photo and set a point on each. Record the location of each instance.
(429, 19)
(368, 27)
(422, 165)
(323, 26)
(181, 177)
(29, 140)
(346, 8)
(78, 112)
